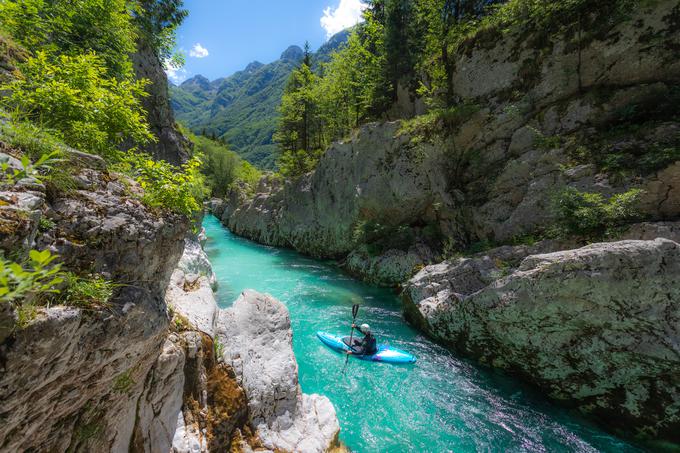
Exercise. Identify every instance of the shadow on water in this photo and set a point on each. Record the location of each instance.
(441, 403)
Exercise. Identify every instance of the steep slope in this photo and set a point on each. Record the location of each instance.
(242, 108)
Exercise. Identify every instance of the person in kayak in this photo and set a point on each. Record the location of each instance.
(367, 346)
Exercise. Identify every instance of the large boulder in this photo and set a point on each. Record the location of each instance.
(257, 340)
(597, 328)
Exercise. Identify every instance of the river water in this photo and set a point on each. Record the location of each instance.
(440, 404)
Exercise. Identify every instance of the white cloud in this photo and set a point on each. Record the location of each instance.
(347, 14)
(176, 74)
(198, 51)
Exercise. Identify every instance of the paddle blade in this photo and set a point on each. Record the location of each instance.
(355, 310)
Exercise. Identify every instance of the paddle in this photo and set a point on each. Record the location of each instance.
(355, 311)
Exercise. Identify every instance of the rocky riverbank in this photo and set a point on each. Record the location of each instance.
(159, 367)
(243, 390)
(596, 328)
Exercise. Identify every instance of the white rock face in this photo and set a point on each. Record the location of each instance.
(256, 340)
(194, 261)
(596, 327)
(258, 344)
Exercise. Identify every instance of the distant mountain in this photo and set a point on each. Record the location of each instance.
(242, 108)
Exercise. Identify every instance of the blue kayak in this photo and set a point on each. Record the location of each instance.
(385, 353)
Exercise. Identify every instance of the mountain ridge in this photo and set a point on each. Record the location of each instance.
(241, 109)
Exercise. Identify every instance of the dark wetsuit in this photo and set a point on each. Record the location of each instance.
(367, 346)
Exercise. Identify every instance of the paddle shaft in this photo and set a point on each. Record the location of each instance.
(355, 310)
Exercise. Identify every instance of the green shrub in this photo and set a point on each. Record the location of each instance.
(438, 120)
(32, 140)
(584, 213)
(27, 285)
(66, 27)
(295, 163)
(73, 97)
(222, 167)
(180, 190)
(36, 170)
(32, 280)
(46, 224)
(87, 292)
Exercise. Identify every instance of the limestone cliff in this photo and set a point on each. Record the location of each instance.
(73, 378)
(154, 368)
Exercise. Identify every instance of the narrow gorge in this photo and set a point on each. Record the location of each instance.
(494, 185)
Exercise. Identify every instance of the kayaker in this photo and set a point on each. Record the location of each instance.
(367, 346)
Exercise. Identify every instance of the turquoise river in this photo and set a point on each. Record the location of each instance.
(440, 404)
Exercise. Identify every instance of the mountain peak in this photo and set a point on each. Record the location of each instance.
(198, 80)
(254, 66)
(293, 53)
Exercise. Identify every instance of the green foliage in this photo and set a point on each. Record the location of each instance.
(345, 93)
(35, 170)
(87, 292)
(438, 120)
(28, 284)
(165, 186)
(299, 132)
(223, 168)
(584, 213)
(72, 28)
(73, 97)
(295, 163)
(549, 16)
(158, 21)
(32, 140)
(219, 348)
(46, 224)
(32, 280)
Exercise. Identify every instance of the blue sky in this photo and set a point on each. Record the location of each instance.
(221, 37)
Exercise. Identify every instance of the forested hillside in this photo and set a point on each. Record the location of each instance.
(242, 109)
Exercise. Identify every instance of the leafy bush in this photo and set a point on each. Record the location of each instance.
(437, 120)
(26, 285)
(30, 281)
(584, 213)
(32, 140)
(548, 15)
(65, 27)
(35, 170)
(294, 163)
(73, 97)
(180, 190)
(222, 167)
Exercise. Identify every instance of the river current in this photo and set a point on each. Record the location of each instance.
(440, 404)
